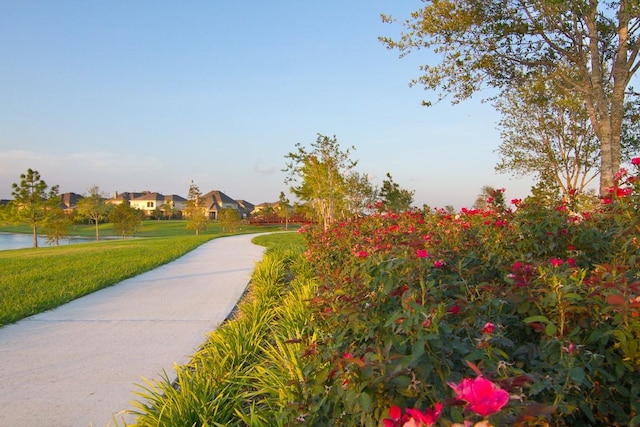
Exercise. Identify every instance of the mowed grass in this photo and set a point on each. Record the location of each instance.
(35, 280)
(148, 228)
(276, 241)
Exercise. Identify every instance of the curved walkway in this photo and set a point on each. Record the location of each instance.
(78, 365)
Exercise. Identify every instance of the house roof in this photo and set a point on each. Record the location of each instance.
(126, 196)
(70, 200)
(245, 205)
(174, 198)
(214, 199)
(149, 196)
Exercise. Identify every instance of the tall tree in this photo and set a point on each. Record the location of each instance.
(194, 211)
(318, 176)
(500, 43)
(631, 127)
(229, 220)
(56, 227)
(125, 219)
(94, 207)
(546, 132)
(360, 194)
(283, 209)
(32, 203)
(394, 197)
(490, 197)
(168, 209)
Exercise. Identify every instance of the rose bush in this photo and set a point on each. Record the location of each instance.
(538, 302)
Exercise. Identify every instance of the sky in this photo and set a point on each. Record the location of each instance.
(152, 95)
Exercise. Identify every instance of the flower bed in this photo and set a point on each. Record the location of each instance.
(522, 316)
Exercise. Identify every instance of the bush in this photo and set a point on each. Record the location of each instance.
(540, 300)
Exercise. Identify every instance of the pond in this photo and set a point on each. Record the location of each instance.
(19, 241)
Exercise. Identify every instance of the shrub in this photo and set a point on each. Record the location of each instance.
(541, 301)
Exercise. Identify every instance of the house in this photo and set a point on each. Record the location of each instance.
(178, 202)
(215, 201)
(152, 202)
(245, 208)
(69, 201)
(148, 202)
(119, 198)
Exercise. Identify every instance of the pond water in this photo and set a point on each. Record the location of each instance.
(19, 241)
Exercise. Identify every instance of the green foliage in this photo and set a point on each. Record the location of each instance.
(404, 301)
(391, 309)
(251, 366)
(393, 197)
(94, 208)
(319, 177)
(195, 212)
(56, 227)
(505, 44)
(125, 219)
(546, 133)
(32, 204)
(229, 220)
(274, 241)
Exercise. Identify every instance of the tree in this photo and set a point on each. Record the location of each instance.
(168, 209)
(229, 220)
(283, 209)
(32, 203)
(56, 227)
(546, 132)
(631, 127)
(360, 193)
(194, 211)
(395, 198)
(125, 219)
(489, 198)
(589, 47)
(93, 207)
(319, 176)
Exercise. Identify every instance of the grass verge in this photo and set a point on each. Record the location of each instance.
(251, 367)
(35, 280)
(149, 228)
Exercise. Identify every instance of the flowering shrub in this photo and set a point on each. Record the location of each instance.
(501, 316)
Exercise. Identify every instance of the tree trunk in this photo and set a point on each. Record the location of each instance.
(35, 236)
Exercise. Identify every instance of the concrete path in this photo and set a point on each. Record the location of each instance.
(79, 364)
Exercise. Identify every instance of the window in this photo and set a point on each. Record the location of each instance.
(149, 204)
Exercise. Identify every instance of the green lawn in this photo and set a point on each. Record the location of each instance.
(38, 279)
(149, 228)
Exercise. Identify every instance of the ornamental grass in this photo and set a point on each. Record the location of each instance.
(519, 315)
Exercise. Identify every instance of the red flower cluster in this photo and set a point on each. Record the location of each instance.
(522, 274)
(488, 328)
(482, 396)
(412, 417)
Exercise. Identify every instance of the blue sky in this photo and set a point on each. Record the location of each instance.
(149, 95)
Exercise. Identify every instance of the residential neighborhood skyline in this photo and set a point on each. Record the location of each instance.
(150, 202)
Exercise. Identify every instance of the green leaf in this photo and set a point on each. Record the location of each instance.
(533, 319)
(365, 401)
(586, 410)
(577, 374)
(550, 329)
(402, 381)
